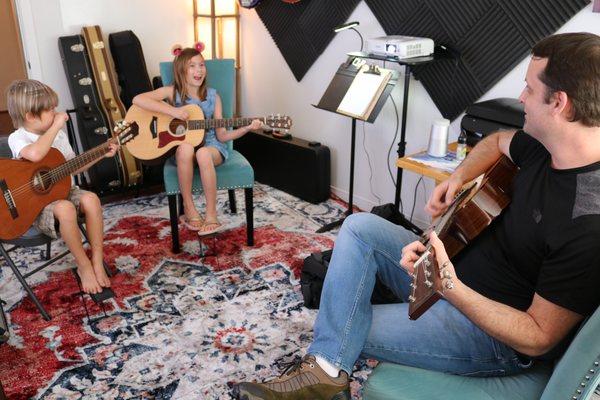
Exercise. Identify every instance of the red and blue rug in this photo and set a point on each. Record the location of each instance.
(182, 326)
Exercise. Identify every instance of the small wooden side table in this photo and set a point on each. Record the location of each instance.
(437, 174)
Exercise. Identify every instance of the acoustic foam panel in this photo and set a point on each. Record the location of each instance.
(303, 30)
(492, 36)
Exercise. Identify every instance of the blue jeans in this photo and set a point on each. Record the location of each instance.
(348, 326)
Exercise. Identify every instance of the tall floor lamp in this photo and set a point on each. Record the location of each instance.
(217, 24)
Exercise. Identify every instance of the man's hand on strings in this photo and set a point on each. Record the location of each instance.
(410, 254)
(442, 196)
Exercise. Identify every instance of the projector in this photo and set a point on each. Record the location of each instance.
(400, 46)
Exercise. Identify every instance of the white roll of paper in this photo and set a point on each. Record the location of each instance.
(438, 138)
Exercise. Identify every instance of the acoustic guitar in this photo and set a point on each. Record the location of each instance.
(27, 187)
(161, 133)
(472, 210)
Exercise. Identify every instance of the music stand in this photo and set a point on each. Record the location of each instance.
(330, 101)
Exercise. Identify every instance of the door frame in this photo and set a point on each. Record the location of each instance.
(26, 24)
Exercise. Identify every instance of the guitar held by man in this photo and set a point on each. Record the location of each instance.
(471, 211)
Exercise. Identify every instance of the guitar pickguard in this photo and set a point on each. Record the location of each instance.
(164, 138)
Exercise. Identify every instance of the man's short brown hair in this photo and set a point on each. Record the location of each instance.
(574, 68)
(28, 96)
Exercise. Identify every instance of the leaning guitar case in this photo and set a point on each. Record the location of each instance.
(92, 125)
(109, 97)
(133, 78)
(130, 65)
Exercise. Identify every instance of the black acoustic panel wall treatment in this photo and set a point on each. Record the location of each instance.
(303, 30)
(492, 36)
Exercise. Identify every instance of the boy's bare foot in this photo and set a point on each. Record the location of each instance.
(88, 280)
(101, 277)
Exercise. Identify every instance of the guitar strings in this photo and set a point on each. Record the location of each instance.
(60, 170)
(52, 174)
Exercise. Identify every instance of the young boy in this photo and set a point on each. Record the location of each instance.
(31, 106)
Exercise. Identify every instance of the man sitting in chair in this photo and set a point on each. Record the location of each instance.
(512, 298)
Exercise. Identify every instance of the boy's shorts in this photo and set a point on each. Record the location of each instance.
(46, 222)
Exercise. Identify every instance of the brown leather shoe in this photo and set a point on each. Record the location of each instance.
(301, 380)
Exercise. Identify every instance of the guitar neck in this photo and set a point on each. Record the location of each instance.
(221, 123)
(75, 164)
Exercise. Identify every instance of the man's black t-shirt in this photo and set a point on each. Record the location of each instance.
(547, 241)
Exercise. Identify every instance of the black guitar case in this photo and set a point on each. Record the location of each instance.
(93, 128)
(293, 165)
(129, 62)
(133, 78)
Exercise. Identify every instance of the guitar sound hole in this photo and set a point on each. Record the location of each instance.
(178, 127)
(42, 181)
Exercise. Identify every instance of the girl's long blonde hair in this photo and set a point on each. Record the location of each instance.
(180, 65)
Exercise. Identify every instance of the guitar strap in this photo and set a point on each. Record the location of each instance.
(109, 97)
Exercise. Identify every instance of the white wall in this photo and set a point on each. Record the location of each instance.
(269, 86)
(267, 83)
(157, 23)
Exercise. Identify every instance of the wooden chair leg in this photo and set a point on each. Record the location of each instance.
(249, 200)
(24, 283)
(232, 205)
(173, 217)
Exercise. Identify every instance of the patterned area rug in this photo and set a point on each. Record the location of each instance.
(182, 326)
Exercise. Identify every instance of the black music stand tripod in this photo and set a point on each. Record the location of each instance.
(330, 101)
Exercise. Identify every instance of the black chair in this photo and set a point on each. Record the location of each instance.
(4, 336)
(33, 238)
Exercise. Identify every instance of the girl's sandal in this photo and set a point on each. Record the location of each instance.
(209, 228)
(193, 224)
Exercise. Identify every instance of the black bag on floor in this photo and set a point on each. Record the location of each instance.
(313, 274)
(390, 212)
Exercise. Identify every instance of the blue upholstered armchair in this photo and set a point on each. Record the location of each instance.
(574, 378)
(233, 174)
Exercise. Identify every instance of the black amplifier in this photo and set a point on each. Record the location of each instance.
(296, 166)
(489, 116)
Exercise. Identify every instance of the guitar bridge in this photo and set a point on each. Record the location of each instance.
(8, 198)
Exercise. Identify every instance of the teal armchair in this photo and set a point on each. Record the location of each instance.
(575, 377)
(235, 173)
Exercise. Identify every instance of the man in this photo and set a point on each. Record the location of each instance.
(518, 292)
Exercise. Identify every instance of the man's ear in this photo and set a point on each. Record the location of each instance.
(562, 104)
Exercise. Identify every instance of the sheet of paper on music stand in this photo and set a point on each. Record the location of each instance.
(363, 93)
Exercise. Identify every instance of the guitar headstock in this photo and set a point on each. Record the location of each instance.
(425, 286)
(278, 122)
(125, 131)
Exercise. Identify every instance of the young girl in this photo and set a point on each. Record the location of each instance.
(190, 87)
(31, 106)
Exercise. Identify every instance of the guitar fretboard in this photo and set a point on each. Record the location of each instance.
(221, 123)
(78, 162)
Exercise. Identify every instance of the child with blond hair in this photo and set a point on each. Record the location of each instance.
(31, 106)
